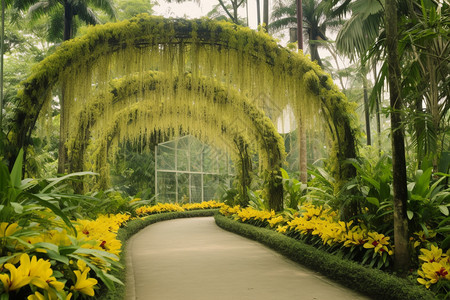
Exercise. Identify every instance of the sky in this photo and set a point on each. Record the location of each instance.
(192, 9)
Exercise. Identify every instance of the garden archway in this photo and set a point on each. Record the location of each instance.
(218, 115)
(243, 60)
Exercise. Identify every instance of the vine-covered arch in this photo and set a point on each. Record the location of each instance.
(241, 59)
(219, 116)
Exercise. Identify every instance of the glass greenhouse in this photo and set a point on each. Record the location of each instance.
(186, 170)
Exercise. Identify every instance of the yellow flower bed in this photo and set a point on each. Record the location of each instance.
(25, 273)
(158, 208)
(321, 222)
(315, 221)
(101, 233)
(172, 207)
(30, 277)
(204, 205)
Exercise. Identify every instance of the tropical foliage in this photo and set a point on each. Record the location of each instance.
(47, 253)
(110, 95)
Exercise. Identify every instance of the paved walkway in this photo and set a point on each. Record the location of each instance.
(195, 259)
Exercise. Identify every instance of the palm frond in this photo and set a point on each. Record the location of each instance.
(282, 24)
(106, 6)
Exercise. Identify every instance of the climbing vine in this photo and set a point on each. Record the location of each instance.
(223, 62)
(140, 107)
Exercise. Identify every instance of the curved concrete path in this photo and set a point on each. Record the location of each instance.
(195, 259)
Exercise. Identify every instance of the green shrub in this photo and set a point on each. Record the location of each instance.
(374, 283)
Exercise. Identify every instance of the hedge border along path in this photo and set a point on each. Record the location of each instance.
(133, 227)
(373, 283)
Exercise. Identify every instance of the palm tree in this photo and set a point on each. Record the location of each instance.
(231, 9)
(423, 51)
(316, 19)
(401, 258)
(427, 57)
(355, 40)
(64, 14)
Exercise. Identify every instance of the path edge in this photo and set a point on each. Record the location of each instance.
(128, 231)
(371, 282)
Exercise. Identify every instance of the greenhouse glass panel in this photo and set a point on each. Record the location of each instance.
(187, 170)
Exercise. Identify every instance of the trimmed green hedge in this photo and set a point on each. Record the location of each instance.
(133, 227)
(373, 283)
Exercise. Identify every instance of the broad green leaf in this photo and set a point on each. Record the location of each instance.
(444, 209)
(54, 208)
(433, 187)
(372, 181)
(27, 183)
(385, 190)
(113, 278)
(96, 253)
(4, 259)
(374, 201)
(48, 246)
(445, 221)
(410, 214)
(411, 186)
(55, 181)
(16, 173)
(443, 229)
(67, 249)
(58, 257)
(446, 243)
(423, 182)
(425, 229)
(18, 208)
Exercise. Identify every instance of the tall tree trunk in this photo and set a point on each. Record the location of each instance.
(266, 13)
(303, 159)
(366, 104)
(62, 150)
(401, 258)
(300, 24)
(246, 9)
(258, 12)
(68, 20)
(301, 128)
(244, 172)
(314, 49)
(235, 12)
(2, 50)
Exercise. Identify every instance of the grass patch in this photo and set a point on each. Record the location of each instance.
(371, 282)
(133, 227)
